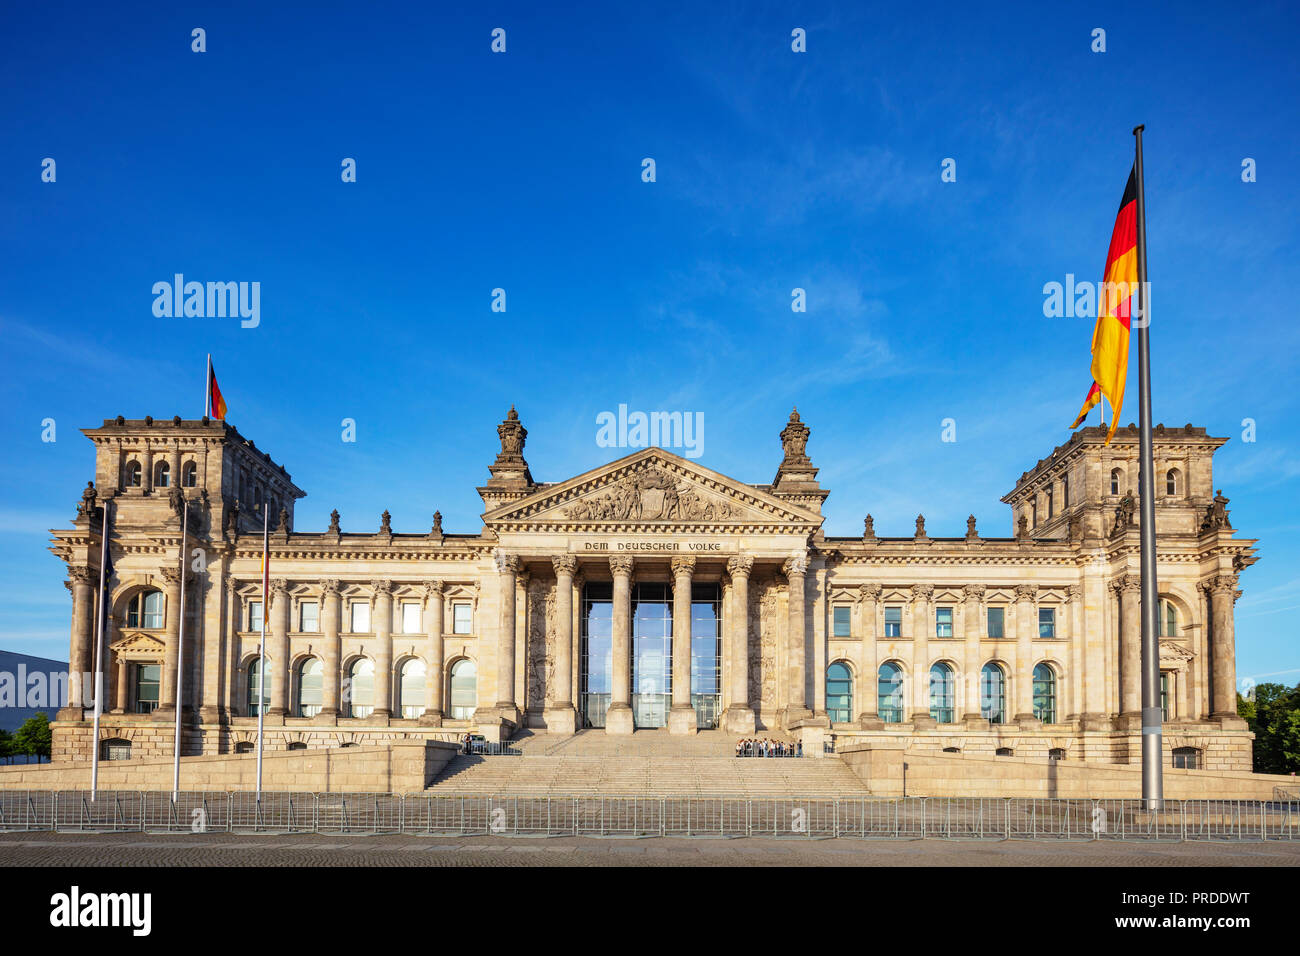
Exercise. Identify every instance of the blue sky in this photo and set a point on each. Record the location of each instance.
(522, 171)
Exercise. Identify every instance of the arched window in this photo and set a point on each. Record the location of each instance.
(1065, 491)
(1187, 758)
(134, 474)
(1004, 752)
(1045, 693)
(889, 693)
(148, 679)
(145, 610)
(361, 687)
(189, 475)
(311, 687)
(244, 747)
(1115, 477)
(411, 689)
(115, 748)
(839, 693)
(993, 694)
(1168, 618)
(941, 693)
(1173, 482)
(257, 698)
(162, 475)
(297, 745)
(1056, 753)
(464, 689)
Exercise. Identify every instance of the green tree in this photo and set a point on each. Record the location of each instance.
(6, 746)
(1274, 717)
(33, 737)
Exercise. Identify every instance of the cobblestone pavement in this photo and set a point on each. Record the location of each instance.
(299, 850)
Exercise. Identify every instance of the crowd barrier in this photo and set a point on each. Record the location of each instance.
(870, 818)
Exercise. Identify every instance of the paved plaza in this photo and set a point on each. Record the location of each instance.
(314, 850)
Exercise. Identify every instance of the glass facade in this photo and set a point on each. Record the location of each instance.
(942, 694)
(148, 678)
(839, 693)
(997, 618)
(1045, 694)
(993, 694)
(596, 667)
(464, 690)
(311, 689)
(706, 654)
(652, 654)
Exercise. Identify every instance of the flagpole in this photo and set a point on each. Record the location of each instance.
(99, 643)
(1152, 737)
(207, 390)
(180, 658)
(261, 650)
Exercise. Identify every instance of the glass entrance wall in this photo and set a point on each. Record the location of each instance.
(706, 651)
(652, 654)
(596, 667)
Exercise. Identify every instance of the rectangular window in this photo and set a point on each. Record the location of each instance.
(1164, 695)
(148, 678)
(843, 622)
(893, 622)
(997, 618)
(254, 615)
(1047, 622)
(360, 617)
(943, 622)
(308, 617)
(411, 623)
(462, 619)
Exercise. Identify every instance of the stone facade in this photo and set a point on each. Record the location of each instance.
(376, 636)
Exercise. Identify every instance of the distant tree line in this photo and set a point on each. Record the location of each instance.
(1273, 714)
(32, 739)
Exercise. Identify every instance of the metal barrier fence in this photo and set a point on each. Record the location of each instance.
(867, 818)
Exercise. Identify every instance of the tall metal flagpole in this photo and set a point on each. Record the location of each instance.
(99, 643)
(261, 650)
(207, 390)
(1152, 737)
(180, 656)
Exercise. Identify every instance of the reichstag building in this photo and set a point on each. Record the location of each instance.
(651, 593)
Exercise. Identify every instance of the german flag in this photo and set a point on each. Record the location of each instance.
(1110, 337)
(216, 403)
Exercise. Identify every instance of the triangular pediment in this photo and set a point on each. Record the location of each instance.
(651, 489)
(139, 645)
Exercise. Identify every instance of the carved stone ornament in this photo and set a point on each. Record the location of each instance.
(621, 564)
(506, 563)
(86, 506)
(385, 523)
(920, 526)
(1216, 515)
(1022, 528)
(334, 522)
(329, 586)
(683, 564)
(795, 564)
(974, 592)
(794, 440)
(740, 566)
(1124, 514)
(971, 533)
(922, 592)
(869, 528)
(513, 435)
(869, 592)
(564, 564)
(436, 531)
(651, 495)
(1026, 592)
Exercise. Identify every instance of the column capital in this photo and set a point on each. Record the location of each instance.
(1221, 584)
(974, 592)
(506, 563)
(922, 592)
(869, 592)
(279, 585)
(564, 564)
(796, 564)
(172, 576)
(383, 587)
(740, 566)
(329, 586)
(621, 564)
(683, 565)
(1073, 592)
(232, 585)
(1026, 593)
(87, 576)
(1127, 582)
(432, 588)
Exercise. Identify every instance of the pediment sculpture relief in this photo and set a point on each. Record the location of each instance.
(651, 495)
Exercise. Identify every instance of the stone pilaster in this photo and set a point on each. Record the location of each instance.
(681, 718)
(560, 715)
(331, 616)
(868, 663)
(618, 718)
(171, 639)
(1026, 626)
(1129, 588)
(739, 716)
(81, 583)
(278, 650)
(381, 623)
(796, 713)
(921, 618)
(973, 623)
(504, 711)
(1223, 649)
(433, 680)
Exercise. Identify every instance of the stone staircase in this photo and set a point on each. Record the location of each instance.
(648, 763)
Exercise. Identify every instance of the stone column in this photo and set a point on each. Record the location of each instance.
(559, 713)
(921, 595)
(433, 626)
(82, 583)
(382, 624)
(681, 718)
(174, 465)
(146, 468)
(1026, 623)
(277, 650)
(507, 569)
(739, 716)
(1223, 647)
(1129, 588)
(618, 718)
(796, 571)
(973, 622)
(331, 650)
(171, 639)
(868, 664)
(123, 676)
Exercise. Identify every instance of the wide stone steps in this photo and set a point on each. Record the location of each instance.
(648, 775)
